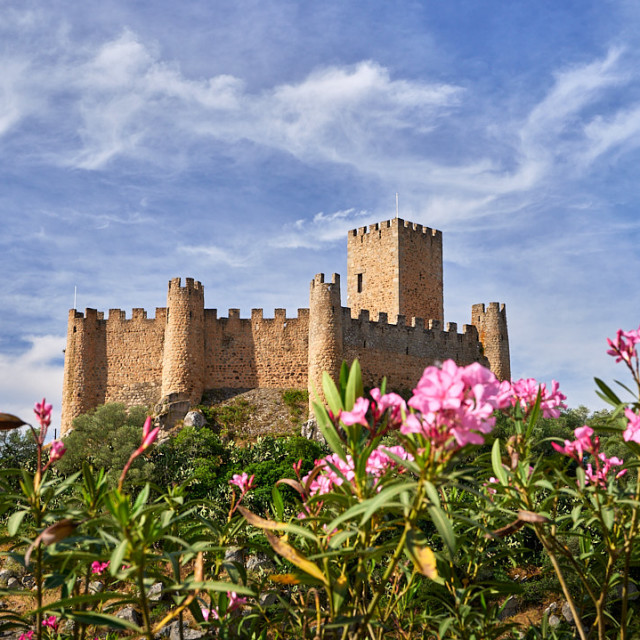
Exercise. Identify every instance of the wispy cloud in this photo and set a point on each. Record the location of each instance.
(26, 378)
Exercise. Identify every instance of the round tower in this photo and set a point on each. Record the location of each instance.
(325, 332)
(183, 354)
(82, 388)
(492, 331)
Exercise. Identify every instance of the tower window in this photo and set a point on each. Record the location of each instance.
(360, 283)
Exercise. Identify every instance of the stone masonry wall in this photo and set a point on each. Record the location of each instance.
(256, 352)
(401, 352)
(372, 267)
(420, 266)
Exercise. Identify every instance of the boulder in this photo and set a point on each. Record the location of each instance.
(129, 614)
(187, 632)
(96, 587)
(155, 592)
(509, 608)
(194, 419)
(310, 431)
(234, 554)
(259, 561)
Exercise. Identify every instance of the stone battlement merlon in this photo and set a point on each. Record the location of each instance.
(189, 285)
(394, 223)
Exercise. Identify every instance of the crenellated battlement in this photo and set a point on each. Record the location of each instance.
(190, 285)
(375, 231)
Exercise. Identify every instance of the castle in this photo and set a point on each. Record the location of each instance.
(393, 324)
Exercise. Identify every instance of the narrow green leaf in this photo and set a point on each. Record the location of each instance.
(432, 493)
(608, 394)
(344, 375)
(102, 619)
(354, 386)
(142, 498)
(377, 503)
(115, 562)
(496, 462)
(328, 430)
(444, 526)
(14, 522)
(331, 394)
(278, 503)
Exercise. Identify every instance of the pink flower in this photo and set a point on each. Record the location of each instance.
(357, 415)
(235, 601)
(27, 636)
(57, 451)
(580, 446)
(392, 401)
(243, 482)
(296, 468)
(624, 346)
(210, 613)
(99, 567)
(632, 432)
(525, 393)
(43, 412)
(598, 476)
(455, 405)
(51, 621)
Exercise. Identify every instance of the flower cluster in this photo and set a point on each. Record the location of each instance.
(235, 602)
(243, 482)
(584, 443)
(632, 432)
(455, 404)
(43, 413)
(623, 348)
(51, 622)
(335, 471)
(99, 567)
(525, 393)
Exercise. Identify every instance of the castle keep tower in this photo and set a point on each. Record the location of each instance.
(183, 357)
(395, 267)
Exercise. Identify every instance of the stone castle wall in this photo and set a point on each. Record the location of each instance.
(187, 349)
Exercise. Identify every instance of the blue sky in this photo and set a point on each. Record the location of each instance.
(237, 141)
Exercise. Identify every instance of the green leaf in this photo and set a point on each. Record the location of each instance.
(115, 562)
(354, 386)
(444, 526)
(14, 522)
(607, 394)
(95, 618)
(278, 503)
(432, 493)
(344, 375)
(328, 430)
(331, 394)
(496, 462)
(142, 498)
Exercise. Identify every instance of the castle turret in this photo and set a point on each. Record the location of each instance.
(183, 357)
(395, 267)
(492, 330)
(83, 386)
(325, 331)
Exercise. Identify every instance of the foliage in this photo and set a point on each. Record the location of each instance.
(105, 438)
(298, 402)
(408, 528)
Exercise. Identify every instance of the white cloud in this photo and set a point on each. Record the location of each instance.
(28, 377)
(321, 229)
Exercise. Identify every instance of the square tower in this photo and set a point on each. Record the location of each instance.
(395, 267)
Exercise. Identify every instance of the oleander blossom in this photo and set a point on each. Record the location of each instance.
(455, 405)
(357, 415)
(624, 345)
(51, 622)
(632, 432)
(57, 451)
(335, 471)
(598, 475)
(525, 393)
(393, 402)
(235, 601)
(98, 567)
(242, 481)
(28, 635)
